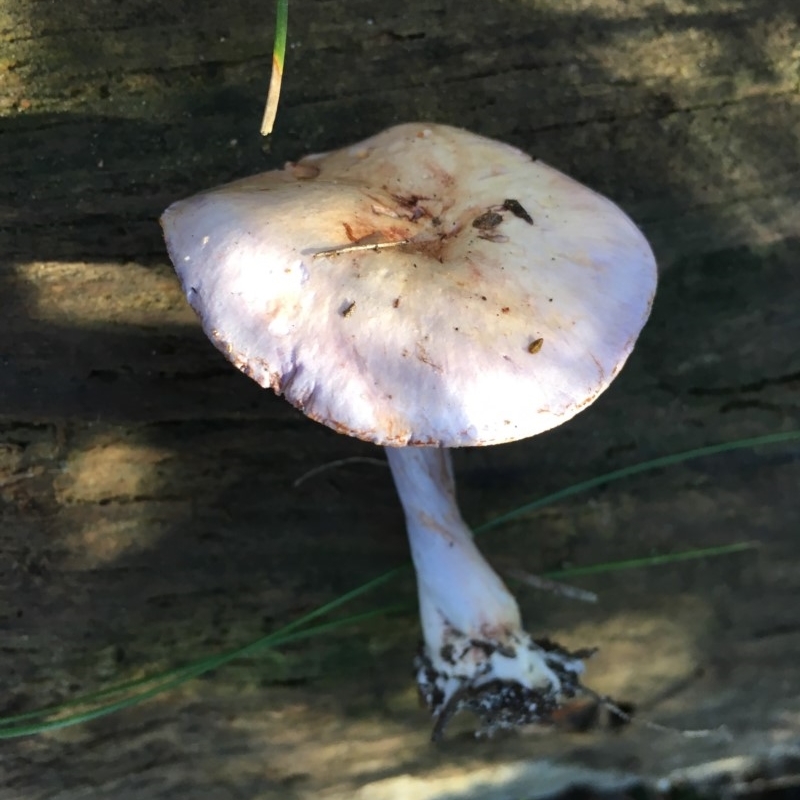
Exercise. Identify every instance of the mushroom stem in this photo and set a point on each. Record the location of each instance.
(476, 654)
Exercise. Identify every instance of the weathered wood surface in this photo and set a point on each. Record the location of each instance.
(147, 509)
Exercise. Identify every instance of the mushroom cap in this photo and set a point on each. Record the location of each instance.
(512, 300)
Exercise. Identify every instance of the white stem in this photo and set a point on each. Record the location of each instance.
(456, 585)
(476, 654)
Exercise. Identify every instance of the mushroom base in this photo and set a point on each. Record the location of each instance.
(519, 682)
(476, 655)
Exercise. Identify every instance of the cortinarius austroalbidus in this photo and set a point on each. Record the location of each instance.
(426, 289)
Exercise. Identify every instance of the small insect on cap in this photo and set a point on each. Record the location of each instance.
(426, 286)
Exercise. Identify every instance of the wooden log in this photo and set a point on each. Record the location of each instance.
(147, 511)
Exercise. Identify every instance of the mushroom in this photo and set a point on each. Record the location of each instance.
(425, 289)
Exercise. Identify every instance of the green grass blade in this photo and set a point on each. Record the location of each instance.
(653, 561)
(276, 78)
(15, 726)
(12, 727)
(205, 665)
(637, 469)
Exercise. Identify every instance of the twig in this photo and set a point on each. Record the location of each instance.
(765, 786)
(341, 462)
(355, 248)
(547, 585)
(20, 476)
(721, 731)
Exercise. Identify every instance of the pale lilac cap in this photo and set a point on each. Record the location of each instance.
(515, 298)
